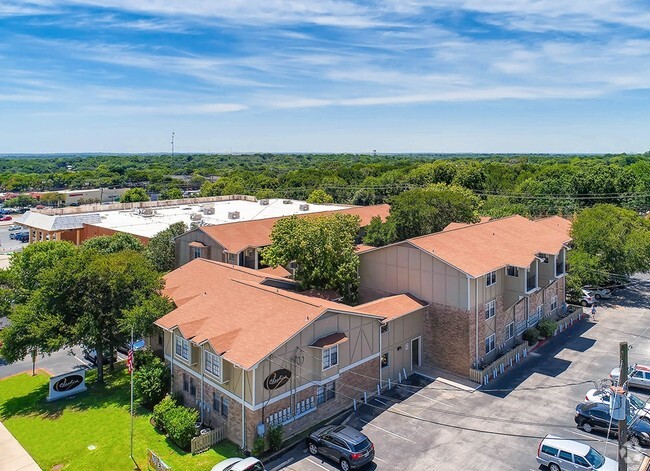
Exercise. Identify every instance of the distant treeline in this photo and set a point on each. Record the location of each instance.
(525, 184)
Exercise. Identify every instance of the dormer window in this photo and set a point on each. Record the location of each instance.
(213, 364)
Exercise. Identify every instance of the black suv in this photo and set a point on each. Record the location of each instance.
(350, 448)
(595, 416)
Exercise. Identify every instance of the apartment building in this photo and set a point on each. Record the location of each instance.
(250, 351)
(485, 284)
(240, 243)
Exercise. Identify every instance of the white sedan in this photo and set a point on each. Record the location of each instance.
(638, 376)
(599, 293)
(598, 395)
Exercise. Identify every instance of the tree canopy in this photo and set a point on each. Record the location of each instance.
(320, 197)
(322, 248)
(160, 251)
(134, 195)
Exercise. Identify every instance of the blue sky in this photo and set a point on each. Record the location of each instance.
(325, 75)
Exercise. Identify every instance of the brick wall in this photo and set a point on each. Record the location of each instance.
(446, 339)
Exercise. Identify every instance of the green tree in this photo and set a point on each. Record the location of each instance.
(113, 243)
(134, 195)
(423, 211)
(322, 248)
(151, 382)
(320, 197)
(378, 234)
(52, 199)
(171, 194)
(21, 201)
(608, 241)
(161, 251)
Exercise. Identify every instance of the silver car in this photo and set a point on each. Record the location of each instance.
(641, 408)
(239, 464)
(639, 376)
(560, 454)
(598, 293)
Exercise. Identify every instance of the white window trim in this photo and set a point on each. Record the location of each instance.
(492, 304)
(189, 349)
(492, 275)
(494, 343)
(516, 269)
(213, 358)
(329, 354)
(510, 333)
(553, 302)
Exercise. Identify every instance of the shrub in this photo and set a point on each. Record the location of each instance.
(276, 437)
(259, 445)
(160, 411)
(143, 357)
(531, 335)
(547, 327)
(180, 425)
(151, 382)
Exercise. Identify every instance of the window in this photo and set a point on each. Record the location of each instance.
(490, 309)
(186, 384)
(384, 360)
(510, 331)
(192, 387)
(326, 392)
(491, 278)
(539, 311)
(225, 402)
(213, 364)
(215, 402)
(565, 455)
(182, 348)
(197, 252)
(340, 443)
(385, 328)
(489, 343)
(330, 357)
(549, 450)
(553, 303)
(512, 271)
(579, 460)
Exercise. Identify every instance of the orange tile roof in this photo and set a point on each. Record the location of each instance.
(556, 223)
(392, 307)
(477, 249)
(361, 248)
(456, 225)
(277, 271)
(237, 236)
(242, 319)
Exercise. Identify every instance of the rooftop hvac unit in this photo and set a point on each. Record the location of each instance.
(287, 201)
(147, 212)
(233, 214)
(207, 208)
(264, 202)
(304, 207)
(196, 216)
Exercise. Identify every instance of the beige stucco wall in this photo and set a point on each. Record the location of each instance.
(214, 251)
(397, 343)
(406, 269)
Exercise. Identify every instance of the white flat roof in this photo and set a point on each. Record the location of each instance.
(132, 222)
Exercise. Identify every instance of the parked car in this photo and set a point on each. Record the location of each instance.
(583, 297)
(348, 447)
(561, 454)
(239, 464)
(6, 218)
(598, 293)
(138, 344)
(639, 376)
(594, 416)
(22, 236)
(91, 356)
(604, 397)
(15, 227)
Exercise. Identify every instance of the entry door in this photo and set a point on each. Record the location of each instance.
(415, 353)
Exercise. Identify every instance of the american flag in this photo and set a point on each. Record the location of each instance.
(129, 361)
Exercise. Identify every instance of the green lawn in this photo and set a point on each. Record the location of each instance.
(90, 431)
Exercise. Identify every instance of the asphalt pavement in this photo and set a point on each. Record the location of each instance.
(56, 363)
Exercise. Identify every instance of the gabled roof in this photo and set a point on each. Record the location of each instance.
(392, 307)
(556, 223)
(477, 249)
(242, 319)
(237, 236)
(46, 222)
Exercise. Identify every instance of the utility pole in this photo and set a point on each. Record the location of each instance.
(172, 144)
(622, 424)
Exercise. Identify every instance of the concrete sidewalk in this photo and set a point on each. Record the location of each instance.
(13, 456)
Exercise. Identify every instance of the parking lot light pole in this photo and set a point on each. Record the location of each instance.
(622, 424)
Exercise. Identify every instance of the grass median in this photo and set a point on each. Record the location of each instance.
(90, 430)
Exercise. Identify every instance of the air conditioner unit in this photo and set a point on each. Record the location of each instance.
(264, 202)
(207, 208)
(147, 212)
(304, 207)
(233, 214)
(287, 201)
(196, 216)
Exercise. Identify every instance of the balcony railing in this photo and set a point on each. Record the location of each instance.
(531, 283)
(483, 374)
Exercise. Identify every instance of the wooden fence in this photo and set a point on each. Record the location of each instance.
(208, 440)
(499, 365)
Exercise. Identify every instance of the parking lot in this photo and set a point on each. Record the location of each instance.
(433, 426)
(7, 244)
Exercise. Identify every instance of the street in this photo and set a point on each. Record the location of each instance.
(432, 426)
(57, 363)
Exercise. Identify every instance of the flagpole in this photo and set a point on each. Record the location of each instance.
(131, 373)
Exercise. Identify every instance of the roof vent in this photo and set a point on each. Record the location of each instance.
(287, 201)
(196, 216)
(207, 208)
(233, 214)
(304, 207)
(147, 212)
(264, 202)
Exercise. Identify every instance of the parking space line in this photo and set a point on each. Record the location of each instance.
(387, 431)
(379, 459)
(591, 437)
(381, 402)
(81, 361)
(317, 464)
